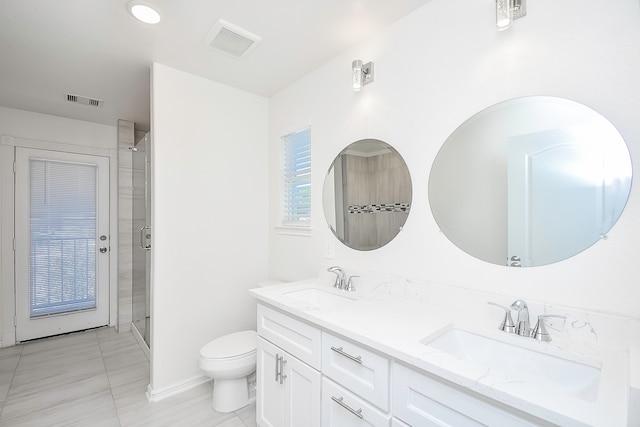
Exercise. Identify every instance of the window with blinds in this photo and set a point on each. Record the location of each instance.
(297, 179)
(63, 237)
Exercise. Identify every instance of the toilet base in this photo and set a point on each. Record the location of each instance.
(230, 395)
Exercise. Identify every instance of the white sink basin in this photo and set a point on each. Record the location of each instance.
(321, 298)
(512, 359)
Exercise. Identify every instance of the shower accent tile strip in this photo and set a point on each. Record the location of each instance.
(382, 207)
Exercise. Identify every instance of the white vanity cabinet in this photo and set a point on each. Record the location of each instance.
(420, 400)
(356, 368)
(288, 393)
(288, 376)
(342, 408)
(355, 385)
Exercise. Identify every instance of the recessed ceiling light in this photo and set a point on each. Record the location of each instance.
(144, 12)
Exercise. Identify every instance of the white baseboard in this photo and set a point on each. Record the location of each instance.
(154, 395)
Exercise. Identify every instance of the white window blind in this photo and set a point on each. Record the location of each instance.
(297, 178)
(63, 237)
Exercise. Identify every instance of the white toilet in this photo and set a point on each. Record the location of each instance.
(229, 360)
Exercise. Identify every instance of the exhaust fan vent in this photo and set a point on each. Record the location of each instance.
(84, 100)
(231, 39)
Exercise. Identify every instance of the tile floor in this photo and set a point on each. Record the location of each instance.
(96, 378)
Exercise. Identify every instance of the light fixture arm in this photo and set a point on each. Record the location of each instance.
(509, 10)
(519, 8)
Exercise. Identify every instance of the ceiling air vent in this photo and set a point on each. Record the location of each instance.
(84, 100)
(231, 39)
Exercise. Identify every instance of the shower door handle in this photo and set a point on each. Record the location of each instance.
(143, 238)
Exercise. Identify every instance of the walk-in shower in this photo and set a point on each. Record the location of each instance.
(141, 230)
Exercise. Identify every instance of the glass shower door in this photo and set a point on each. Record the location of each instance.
(141, 237)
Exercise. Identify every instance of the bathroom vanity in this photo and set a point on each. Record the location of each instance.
(399, 353)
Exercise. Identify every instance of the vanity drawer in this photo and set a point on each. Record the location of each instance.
(295, 337)
(360, 370)
(420, 400)
(342, 408)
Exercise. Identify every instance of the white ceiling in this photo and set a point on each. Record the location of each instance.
(95, 48)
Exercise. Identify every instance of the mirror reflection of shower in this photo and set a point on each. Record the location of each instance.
(141, 229)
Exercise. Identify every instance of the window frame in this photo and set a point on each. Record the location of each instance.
(288, 225)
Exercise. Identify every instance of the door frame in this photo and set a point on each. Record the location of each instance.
(7, 226)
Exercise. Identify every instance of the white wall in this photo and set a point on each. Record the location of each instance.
(66, 134)
(209, 222)
(43, 127)
(434, 69)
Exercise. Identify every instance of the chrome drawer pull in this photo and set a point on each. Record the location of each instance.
(278, 367)
(339, 401)
(357, 359)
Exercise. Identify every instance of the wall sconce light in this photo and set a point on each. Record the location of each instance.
(362, 74)
(509, 10)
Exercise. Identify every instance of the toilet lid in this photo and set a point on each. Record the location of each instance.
(232, 345)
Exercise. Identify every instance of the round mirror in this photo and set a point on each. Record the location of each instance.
(530, 181)
(367, 194)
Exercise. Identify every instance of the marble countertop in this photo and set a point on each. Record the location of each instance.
(396, 317)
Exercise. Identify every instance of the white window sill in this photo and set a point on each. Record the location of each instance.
(292, 230)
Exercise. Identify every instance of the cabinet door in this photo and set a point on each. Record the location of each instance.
(342, 408)
(269, 393)
(302, 393)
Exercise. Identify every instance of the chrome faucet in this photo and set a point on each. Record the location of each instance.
(340, 282)
(522, 325)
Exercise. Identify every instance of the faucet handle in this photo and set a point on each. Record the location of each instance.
(350, 286)
(519, 305)
(339, 276)
(523, 327)
(507, 324)
(540, 332)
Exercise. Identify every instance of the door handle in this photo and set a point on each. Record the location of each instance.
(143, 245)
(103, 250)
(282, 374)
(277, 367)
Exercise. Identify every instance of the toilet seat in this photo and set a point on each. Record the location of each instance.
(233, 346)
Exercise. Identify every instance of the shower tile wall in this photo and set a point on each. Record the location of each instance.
(374, 181)
(126, 138)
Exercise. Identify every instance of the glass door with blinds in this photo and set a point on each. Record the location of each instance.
(61, 242)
